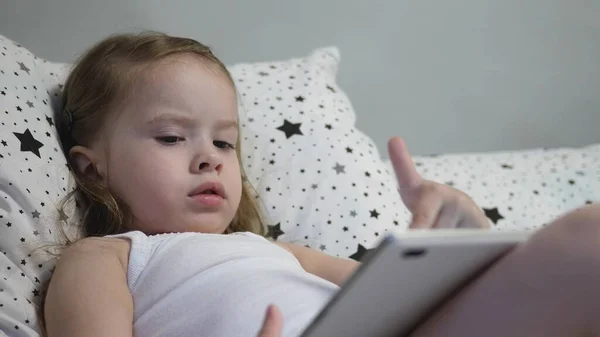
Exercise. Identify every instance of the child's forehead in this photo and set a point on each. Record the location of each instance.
(184, 84)
(183, 63)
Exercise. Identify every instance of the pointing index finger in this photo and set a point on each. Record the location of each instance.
(406, 173)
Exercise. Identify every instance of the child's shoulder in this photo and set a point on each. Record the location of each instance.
(95, 247)
(89, 285)
(101, 244)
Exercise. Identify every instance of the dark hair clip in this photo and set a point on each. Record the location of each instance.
(68, 119)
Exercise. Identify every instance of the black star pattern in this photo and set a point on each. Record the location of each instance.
(23, 67)
(493, 214)
(374, 214)
(35, 214)
(50, 121)
(330, 88)
(62, 216)
(275, 231)
(299, 99)
(360, 253)
(290, 129)
(339, 168)
(28, 143)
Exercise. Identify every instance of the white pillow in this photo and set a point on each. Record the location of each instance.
(321, 179)
(33, 177)
(326, 187)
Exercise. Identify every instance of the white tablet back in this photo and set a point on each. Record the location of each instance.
(407, 277)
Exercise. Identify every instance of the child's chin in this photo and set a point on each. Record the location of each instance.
(208, 224)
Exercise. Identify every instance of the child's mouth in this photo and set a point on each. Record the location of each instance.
(208, 199)
(210, 194)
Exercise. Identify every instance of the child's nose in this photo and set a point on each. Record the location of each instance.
(207, 163)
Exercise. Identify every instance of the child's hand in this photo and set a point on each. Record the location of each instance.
(272, 324)
(433, 205)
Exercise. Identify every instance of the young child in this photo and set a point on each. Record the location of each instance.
(174, 243)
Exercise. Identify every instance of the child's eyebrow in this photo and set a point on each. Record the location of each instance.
(227, 124)
(163, 117)
(185, 120)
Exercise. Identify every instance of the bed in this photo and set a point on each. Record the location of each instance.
(321, 180)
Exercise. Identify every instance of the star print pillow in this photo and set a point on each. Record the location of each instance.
(321, 180)
(33, 179)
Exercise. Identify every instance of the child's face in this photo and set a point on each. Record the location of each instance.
(174, 133)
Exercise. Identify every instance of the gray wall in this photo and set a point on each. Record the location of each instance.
(449, 76)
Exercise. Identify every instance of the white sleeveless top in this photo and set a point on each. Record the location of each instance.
(194, 284)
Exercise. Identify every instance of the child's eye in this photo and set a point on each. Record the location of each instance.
(170, 139)
(223, 145)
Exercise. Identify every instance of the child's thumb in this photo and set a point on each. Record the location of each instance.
(272, 324)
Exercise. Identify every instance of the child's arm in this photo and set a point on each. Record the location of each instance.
(333, 269)
(88, 294)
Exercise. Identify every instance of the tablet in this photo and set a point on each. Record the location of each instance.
(405, 278)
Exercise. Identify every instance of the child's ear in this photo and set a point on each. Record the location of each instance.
(87, 163)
